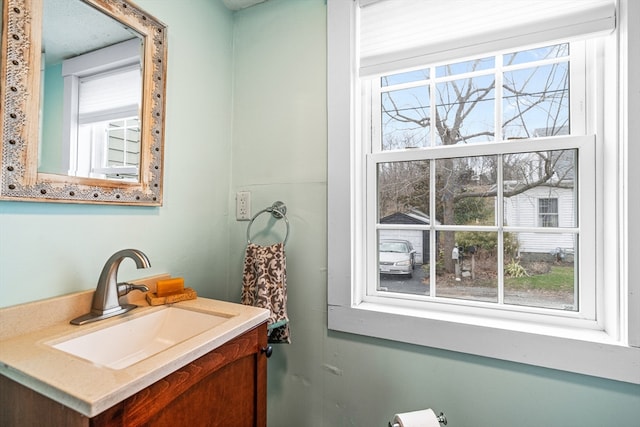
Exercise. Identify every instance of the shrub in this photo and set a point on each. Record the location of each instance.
(514, 269)
(488, 241)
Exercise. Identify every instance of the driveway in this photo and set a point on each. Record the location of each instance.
(415, 285)
(418, 285)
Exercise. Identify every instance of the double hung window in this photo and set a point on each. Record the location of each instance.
(465, 149)
(484, 145)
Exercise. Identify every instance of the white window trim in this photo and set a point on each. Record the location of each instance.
(610, 353)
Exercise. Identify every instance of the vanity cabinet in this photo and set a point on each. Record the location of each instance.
(225, 387)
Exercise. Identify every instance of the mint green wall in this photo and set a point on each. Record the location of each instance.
(50, 154)
(326, 378)
(53, 249)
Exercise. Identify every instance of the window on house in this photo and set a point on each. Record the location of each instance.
(548, 212)
(481, 149)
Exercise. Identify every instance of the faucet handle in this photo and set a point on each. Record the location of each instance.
(124, 288)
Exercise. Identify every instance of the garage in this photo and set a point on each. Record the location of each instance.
(418, 238)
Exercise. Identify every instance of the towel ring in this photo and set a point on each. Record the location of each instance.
(278, 210)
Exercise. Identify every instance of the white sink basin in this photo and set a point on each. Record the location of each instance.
(131, 341)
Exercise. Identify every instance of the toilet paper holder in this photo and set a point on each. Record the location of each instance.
(442, 419)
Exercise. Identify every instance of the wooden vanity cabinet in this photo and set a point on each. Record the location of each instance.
(226, 387)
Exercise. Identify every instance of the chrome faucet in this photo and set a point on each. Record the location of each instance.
(108, 291)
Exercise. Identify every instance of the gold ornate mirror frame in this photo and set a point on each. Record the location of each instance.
(20, 90)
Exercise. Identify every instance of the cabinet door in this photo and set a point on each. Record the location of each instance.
(224, 387)
(22, 407)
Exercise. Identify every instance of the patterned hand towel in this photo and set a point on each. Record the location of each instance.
(265, 285)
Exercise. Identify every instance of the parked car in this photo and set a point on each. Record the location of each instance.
(396, 257)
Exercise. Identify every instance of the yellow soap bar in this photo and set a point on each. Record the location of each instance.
(169, 286)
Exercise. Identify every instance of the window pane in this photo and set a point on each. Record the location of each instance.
(540, 189)
(465, 111)
(408, 77)
(536, 102)
(467, 268)
(401, 261)
(403, 189)
(465, 67)
(547, 52)
(124, 142)
(548, 206)
(466, 190)
(405, 118)
(540, 270)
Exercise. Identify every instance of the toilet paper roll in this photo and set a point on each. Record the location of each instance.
(424, 418)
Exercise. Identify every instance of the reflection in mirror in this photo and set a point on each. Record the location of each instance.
(100, 106)
(88, 127)
(92, 88)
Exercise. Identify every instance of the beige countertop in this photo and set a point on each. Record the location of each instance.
(26, 356)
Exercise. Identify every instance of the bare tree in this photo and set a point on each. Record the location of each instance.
(461, 105)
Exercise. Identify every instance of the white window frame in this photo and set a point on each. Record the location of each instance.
(371, 150)
(610, 351)
(116, 59)
(95, 163)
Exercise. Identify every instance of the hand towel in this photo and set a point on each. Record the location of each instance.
(265, 285)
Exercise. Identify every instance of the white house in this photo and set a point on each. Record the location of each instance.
(542, 206)
(550, 204)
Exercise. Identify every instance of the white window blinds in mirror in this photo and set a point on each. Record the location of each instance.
(400, 34)
(110, 96)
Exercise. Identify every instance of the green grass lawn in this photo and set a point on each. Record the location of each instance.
(560, 278)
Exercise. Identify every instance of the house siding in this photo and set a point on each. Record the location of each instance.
(522, 211)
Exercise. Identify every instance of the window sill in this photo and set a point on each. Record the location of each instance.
(588, 352)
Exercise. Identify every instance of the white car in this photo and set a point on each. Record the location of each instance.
(396, 257)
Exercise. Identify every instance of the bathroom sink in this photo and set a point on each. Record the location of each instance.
(136, 339)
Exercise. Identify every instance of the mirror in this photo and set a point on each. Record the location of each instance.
(83, 116)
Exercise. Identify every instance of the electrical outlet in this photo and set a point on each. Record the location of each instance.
(243, 205)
